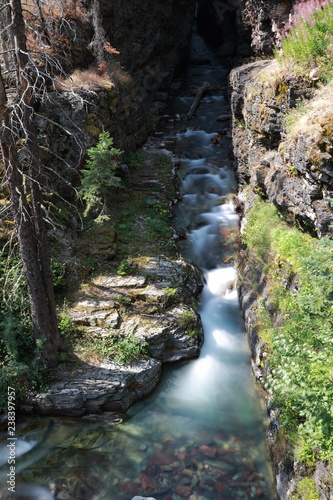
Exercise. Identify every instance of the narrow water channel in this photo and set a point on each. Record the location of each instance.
(200, 435)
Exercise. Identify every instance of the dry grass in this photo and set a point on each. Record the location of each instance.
(273, 73)
(309, 117)
(87, 79)
(90, 78)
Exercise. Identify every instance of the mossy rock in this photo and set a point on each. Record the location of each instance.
(93, 130)
(100, 241)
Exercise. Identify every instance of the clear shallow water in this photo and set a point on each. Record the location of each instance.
(199, 436)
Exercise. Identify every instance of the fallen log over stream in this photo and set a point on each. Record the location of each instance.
(199, 94)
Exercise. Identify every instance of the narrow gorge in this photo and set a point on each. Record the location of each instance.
(187, 296)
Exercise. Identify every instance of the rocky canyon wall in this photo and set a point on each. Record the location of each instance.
(241, 28)
(292, 168)
(153, 40)
(152, 37)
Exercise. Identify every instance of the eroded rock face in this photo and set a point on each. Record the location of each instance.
(241, 27)
(153, 40)
(265, 19)
(148, 305)
(70, 123)
(152, 37)
(292, 171)
(220, 21)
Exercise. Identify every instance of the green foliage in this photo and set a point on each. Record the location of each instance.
(264, 323)
(122, 349)
(17, 333)
(257, 233)
(301, 355)
(157, 213)
(125, 267)
(306, 490)
(124, 301)
(99, 174)
(19, 353)
(58, 271)
(152, 119)
(188, 321)
(145, 223)
(310, 44)
(126, 230)
(133, 160)
(292, 170)
(65, 326)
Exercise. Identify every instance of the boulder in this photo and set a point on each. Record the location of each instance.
(93, 389)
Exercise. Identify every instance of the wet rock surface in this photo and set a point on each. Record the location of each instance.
(93, 389)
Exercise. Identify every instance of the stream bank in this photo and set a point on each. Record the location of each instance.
(286, 171)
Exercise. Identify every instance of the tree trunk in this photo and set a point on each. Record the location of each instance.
(99, 38)
(199, 94)
(28, 216)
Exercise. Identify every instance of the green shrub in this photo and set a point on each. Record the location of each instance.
(19, 353)
(306, 490)
(58, 271)
(188, 321)
(99, 174)
(122, 349)
(65, 326)
(124, 268)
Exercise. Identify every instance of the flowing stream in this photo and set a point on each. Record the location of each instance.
(200, 435)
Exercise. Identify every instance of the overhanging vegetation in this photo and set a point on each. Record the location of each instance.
(299, 275)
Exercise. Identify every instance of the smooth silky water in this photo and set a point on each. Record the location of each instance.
(200, 435)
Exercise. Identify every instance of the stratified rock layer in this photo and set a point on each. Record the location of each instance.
(293, 172)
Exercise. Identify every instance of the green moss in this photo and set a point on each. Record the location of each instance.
(264, 323)
(306, 490)
(257, 234)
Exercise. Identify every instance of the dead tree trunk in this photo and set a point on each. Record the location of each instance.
(199, 94)
(99, 39)
(24, 177)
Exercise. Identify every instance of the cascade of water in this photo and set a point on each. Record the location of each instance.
(199, 435)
